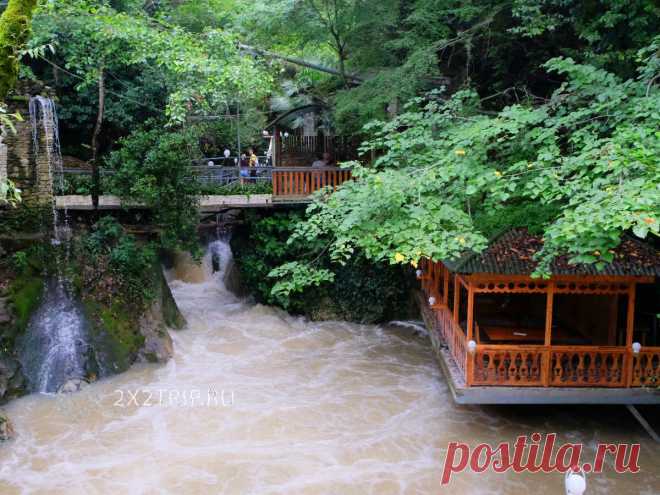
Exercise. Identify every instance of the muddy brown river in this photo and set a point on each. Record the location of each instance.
(257, 402)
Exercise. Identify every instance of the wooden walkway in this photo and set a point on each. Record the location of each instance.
(208, 204)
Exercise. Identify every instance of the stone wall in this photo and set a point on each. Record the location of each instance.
(27, 169)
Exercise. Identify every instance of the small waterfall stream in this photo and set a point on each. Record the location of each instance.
(54, 348)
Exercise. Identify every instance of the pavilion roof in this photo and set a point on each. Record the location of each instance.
(512, 253)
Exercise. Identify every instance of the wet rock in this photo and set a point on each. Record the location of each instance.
(6, 428)
(71, 386)
(158, 347)
(12, 381)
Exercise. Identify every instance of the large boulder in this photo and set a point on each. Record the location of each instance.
(157, 347)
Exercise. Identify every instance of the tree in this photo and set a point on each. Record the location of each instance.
(14, 33)
(201, 73)
(581, 169)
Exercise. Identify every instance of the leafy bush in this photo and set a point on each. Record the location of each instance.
(20, 261)
(82, 184)
(359, 290)
(153, 167)
(114, 266)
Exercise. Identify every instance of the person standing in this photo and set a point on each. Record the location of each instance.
(253, 162)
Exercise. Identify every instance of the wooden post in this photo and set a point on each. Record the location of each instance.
(445, 292)
(548, 314)
(470, 313)
(457, 297)
(630, 329)
(546, 359)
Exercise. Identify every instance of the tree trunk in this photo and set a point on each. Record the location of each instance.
(96, 178)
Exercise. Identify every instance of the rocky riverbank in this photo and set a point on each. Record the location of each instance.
(121, 328)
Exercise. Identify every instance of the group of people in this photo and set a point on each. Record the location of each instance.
(249, 161)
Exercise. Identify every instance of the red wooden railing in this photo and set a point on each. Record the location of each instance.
(452, 334)
(515, 365)
(303, 181)
(646, 368)
(587, 366)
(504, 365)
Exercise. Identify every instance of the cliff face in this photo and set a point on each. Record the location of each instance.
(123, 337)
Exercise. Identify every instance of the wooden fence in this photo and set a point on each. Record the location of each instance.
(303, 181)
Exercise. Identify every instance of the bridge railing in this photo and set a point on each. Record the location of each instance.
(303, 181)
(286, 181)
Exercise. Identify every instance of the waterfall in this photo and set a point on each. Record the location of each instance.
(54, 349)
(43, 118)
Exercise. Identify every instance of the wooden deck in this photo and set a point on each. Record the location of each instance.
(538, 370)
(453, 364)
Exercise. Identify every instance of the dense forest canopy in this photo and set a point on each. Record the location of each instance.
(475, 116)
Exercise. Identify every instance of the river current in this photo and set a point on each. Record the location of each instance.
(257, 402)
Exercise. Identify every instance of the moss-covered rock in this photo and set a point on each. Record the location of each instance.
(14, 32)
(171, 313)
(115, 336)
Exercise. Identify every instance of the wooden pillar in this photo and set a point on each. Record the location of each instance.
(630, 328)
(445, 291)
(546, 360)
(470, 312)
(548, 314)
(457, 297)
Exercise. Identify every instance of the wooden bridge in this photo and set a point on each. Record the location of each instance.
(291, 185)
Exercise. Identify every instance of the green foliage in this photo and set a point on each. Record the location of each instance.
(82, 184)
(25, 295)
(114, 267)
(200, 71)
(588, 155)
(26, 219)
(14, 33)
(300, 276)
(153, 167)
(9, 193)
(20, 261)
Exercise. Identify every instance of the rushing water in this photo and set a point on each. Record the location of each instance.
(54, 349)
(256, 402)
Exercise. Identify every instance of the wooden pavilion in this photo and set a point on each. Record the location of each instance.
(571, 338)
